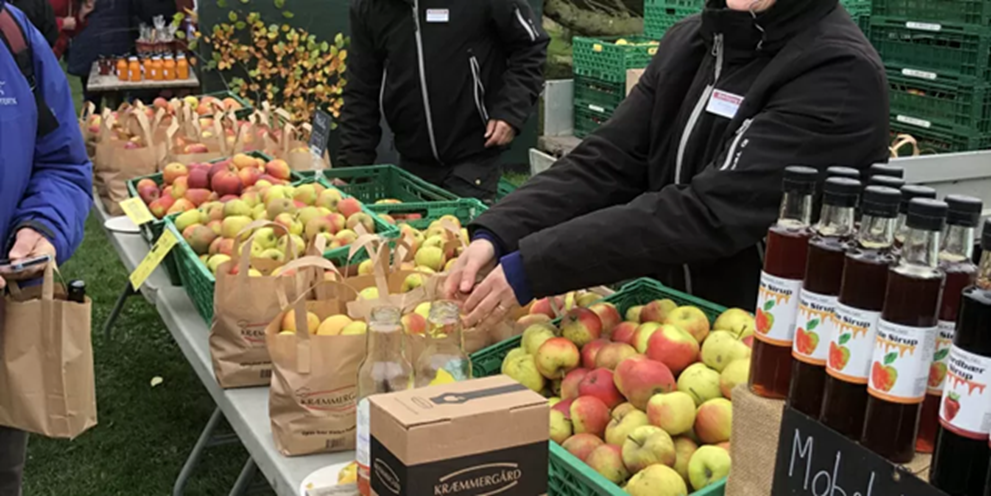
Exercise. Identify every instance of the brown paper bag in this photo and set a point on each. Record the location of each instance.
(314, 378)
(186, 134)
(90, 124)
(46, 361)
(243, 308)
(121, 156)
(296, 149)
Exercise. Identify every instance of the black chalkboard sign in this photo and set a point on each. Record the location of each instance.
(815, 460)
(321, 133)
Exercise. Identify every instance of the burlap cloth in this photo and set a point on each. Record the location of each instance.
(754, 445)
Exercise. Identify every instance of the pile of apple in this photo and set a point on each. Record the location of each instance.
(644, 402)
(343, 325)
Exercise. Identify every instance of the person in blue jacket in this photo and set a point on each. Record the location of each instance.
(45, 185)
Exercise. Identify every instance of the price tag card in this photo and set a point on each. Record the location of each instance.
(322, 122)
(815, 460)
(136, 210)
(153, 259)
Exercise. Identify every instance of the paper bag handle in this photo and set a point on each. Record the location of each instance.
(47, 283)
(243, 249)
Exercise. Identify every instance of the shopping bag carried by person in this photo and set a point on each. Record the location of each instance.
(46, 361)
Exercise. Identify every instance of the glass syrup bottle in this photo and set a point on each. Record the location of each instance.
(960, 460)
(887, 181)
(858, 308)
(444, 359)
(384, 370)
(820, 289)
(780, 284)
(886, 170)
(955, 260)
(909, 192)
(906, 337)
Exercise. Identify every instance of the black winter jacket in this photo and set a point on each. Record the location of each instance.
(438, 70)
(42, 16)
(671, 190)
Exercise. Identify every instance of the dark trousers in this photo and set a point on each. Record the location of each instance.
(474, 178)
(13, 452)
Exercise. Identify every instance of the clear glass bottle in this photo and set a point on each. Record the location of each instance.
(385, 369)
(444, 359)
(909, 192)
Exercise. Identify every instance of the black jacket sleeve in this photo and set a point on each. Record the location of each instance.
(526, 47)
(42, 17)
(584, 221)
(360, 129)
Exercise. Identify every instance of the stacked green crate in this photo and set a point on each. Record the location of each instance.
(938, 57)
(860, 11)
(600, 66)
(660, 15)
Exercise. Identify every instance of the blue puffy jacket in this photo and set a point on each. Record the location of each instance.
(45, 182)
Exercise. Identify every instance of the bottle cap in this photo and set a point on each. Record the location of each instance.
(886, 170)
(926, 214)
(887, 181)
(841, 192)
(964, 210)
(986, 236)
(912, 191)
(880, 201)
(800, 179)
(839, 171)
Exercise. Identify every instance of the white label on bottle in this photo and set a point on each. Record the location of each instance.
(924, 26)
(852, 344)
(944, 341)
(364, 441)
(919, 74)
(900, 365)
(777, 308)
(966, 405)
(813, 327)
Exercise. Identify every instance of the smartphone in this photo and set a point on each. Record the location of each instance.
(12, 268)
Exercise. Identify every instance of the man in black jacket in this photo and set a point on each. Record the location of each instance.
(683, 182)
(455, 80)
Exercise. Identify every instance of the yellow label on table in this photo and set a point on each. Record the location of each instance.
(136, 210)
(153, 258)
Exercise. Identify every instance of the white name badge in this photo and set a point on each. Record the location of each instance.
(438, 15)
(724, 104)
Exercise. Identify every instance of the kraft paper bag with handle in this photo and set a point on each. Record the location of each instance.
(243, 308)
(902, 140)
(120, 158)
(90, 127)
(296, 151)
(313, 394)
(46, 361)
(187, 142)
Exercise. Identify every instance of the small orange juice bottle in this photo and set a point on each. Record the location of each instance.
(168, 68)
(156, 69)
(134, 69)
(122, 71)
(182, 68)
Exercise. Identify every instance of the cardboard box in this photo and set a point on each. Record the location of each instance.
(478, 437)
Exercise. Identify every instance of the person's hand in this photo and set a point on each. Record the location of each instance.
(478, 257)
(499, 133)
(68, 23)
(28, 244)
(86, 8)
(490, 301)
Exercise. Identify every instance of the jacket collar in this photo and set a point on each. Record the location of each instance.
(746, 35)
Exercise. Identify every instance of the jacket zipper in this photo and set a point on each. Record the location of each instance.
(423, 80)
(478, 88)
(717, 51)
(526, 26)
(732, 147)
(385, 79)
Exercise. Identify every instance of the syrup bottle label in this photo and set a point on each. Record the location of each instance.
(851, 344)
(814, 324)
(937, 371)
(777, 309)
(900, 364)
(966, 406)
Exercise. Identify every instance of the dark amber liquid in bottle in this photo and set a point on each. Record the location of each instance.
(959, 275)
(890, 428)
(960, 464)
(823, 275)
(865, 277)
(770, 365)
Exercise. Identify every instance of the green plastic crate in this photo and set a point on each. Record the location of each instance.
(379, 182)
(694, 5)
(568, 475)
(504, 189)
(465, 209)
(588, 120)
(976, 12)
(933, 140)
(961, 53)
(659, 17)
(598, 95)
(953, 105)
(603, 59)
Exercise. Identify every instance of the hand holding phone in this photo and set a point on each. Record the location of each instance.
(29, 256)
(9, 267)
